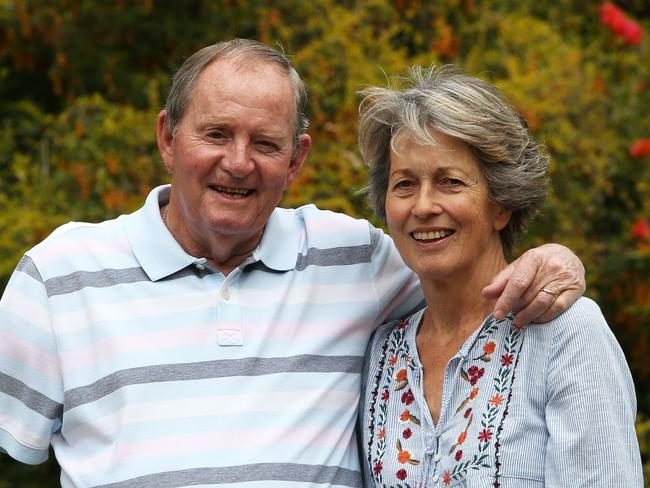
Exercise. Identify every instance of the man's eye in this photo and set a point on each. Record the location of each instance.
(216, 134)
(267, 146)
(268, 143)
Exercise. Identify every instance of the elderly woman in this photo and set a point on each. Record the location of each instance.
(451, 396)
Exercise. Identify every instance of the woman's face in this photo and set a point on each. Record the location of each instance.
(438, 211)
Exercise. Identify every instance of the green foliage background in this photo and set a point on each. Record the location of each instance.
(81, 83)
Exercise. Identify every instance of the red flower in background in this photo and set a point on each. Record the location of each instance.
(641, 229)
(616, 21)
(640, 148)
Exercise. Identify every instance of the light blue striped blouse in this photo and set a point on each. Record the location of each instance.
(548, 405)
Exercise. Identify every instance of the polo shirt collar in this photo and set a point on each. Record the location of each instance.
(278, 248)
(153, 245)
(160, 255)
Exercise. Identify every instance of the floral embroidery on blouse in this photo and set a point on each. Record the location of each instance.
(501, 383)
(391, 389)
(397, 351)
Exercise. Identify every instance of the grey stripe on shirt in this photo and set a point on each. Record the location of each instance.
(221, 368)
(35, 400)
(330, 475)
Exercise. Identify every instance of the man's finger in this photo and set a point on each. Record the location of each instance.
(522, 275)
(536, 309)
(563, 301)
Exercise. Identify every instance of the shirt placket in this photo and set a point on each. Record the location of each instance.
(228, 311)
(431, 473)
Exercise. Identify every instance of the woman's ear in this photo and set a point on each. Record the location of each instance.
(502, 218)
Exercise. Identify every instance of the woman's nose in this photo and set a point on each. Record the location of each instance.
(427, 202)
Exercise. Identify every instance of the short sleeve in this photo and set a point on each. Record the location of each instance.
(397, 287)
(591, 405)
(31, 390)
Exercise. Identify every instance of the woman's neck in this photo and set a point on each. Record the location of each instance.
(455, 305)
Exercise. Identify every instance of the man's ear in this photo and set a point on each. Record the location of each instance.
(298, 158)
(165, 140)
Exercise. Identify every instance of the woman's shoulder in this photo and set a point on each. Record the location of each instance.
(401, 327)
(392, 335)
(581, 320)
(583, 338)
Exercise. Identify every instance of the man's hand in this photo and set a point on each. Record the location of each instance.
(550, 267)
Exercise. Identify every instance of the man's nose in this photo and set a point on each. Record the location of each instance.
(237, 160)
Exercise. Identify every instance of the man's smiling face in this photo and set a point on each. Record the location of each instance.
(232, 155)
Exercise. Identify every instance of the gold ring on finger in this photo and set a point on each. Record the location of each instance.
(550, 292)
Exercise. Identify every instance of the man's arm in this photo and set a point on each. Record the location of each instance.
(551, 267)
(31, 388)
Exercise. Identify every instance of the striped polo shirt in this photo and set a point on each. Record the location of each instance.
(144, 366)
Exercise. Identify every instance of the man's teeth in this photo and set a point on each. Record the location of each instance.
(234, 191)
(429, 236)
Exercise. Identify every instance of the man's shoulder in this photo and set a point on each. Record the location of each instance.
(312, 212)
(75, 241)
(339, 228)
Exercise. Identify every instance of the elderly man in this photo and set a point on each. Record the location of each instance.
(211, 338)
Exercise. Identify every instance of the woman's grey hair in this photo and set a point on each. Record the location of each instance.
(246, 50)
(466, 108)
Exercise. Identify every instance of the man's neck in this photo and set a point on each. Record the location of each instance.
(225, 254)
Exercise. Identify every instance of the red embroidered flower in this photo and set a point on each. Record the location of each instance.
(476, 376)
(473, 393)
(378, 467)
(462, 437)
(485, 435)
(459, 455)
(407, 433)
(392, 361)
(446, 478)
(641, 229)
(489, 347)
(381, 433)
(467, 412)
(403, 324)
(640, 148)
(385, 395)
(401, 474)
(496, 400)
(506, 359)
(403, 456)
(406, 415)
(407, 397)
(400, 375)
(472, 370)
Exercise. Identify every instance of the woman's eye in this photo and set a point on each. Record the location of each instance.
(451, 183)
(403, 185)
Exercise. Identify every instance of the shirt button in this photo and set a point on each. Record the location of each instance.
(225, 293)
(200, 267)
(436, 478)
(437, 457)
